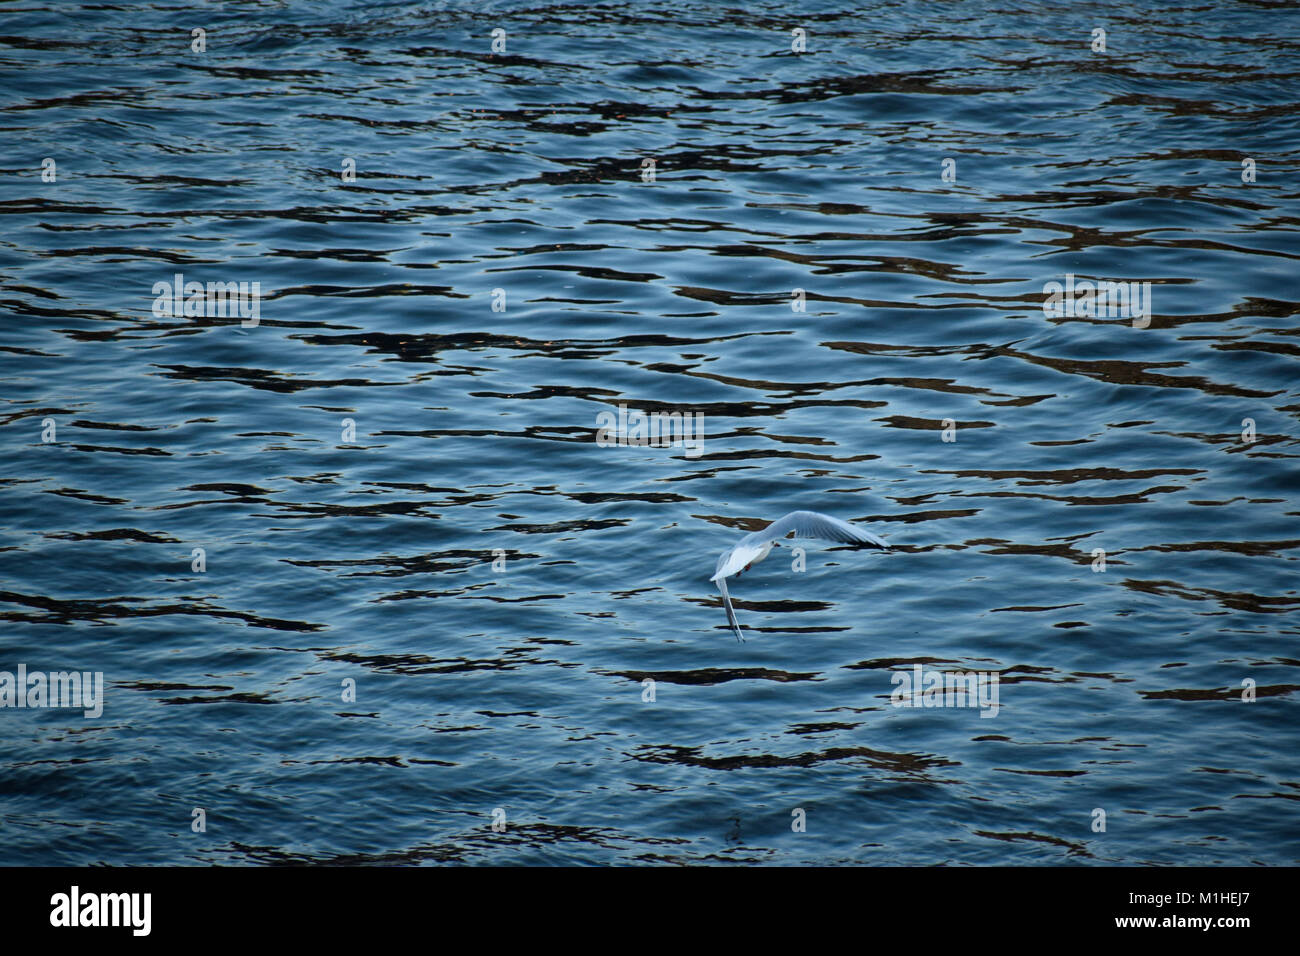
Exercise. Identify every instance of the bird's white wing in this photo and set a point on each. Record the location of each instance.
(814, 524)
(726, 602)
(733, 561)
(718, 569)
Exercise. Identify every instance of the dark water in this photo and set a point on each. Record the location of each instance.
(371, 559)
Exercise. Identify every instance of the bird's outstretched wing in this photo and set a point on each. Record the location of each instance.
(726, 602)
(734, 561)
(814, 524)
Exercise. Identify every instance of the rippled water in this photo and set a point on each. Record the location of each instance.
(369, 557)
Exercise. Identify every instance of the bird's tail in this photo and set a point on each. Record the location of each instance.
(726, 602)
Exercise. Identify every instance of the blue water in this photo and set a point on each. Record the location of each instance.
(369, 557)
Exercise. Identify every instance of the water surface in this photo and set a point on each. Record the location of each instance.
(368, 557)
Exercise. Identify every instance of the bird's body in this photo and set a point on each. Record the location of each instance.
(754, 547)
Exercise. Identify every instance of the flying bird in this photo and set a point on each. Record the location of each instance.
(754, 547)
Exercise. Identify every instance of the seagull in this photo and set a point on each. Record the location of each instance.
(755, 547)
